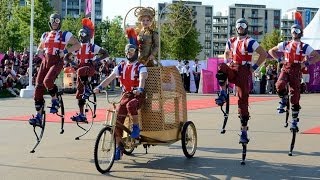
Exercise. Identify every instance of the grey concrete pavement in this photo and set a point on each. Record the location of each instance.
(218, 156)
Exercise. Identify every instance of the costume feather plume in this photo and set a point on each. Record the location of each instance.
(298, 19)
(132, 36)
(87, 23)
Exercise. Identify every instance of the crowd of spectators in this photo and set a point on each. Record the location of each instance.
(14, 71)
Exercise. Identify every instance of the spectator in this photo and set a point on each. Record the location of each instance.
(9, 77)
(22, 76)
(196, 73)
(270, 79)
(263, 80)
(103, 70)
(180, 67)
(186, 76)
(305, 79)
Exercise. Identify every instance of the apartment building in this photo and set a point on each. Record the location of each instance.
(288, 19)
(75, 8)
(261, 19)
(220, 33)
(202, 15)
(72, 7)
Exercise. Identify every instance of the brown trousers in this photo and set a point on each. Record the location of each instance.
(239, 75)
(290, 73)
(49, 70)
(86, 70)
(129, 104)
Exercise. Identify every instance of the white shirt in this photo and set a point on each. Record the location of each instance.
(196, 68)
(180, 67)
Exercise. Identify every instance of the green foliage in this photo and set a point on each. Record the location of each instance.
(111, 36)
(72, 24)
(271, 39)
(179, 38)
(18, 28)
(6, 37)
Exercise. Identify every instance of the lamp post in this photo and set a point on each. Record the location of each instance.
(93, 15)
(28, 92)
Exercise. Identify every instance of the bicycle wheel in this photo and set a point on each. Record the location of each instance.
(59, 95)
(90, 113)
(189, 139)
(104, 150)
(39, 135)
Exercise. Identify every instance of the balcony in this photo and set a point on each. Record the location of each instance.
(208, 21)
(254, 16)
(220, 31)
(219, 24)
(256, 24)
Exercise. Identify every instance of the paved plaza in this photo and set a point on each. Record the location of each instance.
(218, 156)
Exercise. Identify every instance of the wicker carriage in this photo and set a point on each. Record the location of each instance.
(164, 111)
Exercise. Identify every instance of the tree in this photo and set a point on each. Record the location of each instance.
(178, 41)
(20, 22)
(6, 36)
(271, 39)
(100, 36)
(72, 24)
(111, 36)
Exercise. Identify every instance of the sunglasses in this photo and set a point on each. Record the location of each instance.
(295, 30)
(82, 34)
(131, 50)
(55, 20)
(243, 25)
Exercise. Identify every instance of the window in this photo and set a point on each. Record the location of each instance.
(232, 12)
(208, 12)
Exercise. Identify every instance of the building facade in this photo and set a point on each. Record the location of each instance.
(261, 20)
(220, 33)
(75, 8)
(202, 15)
(288, 19)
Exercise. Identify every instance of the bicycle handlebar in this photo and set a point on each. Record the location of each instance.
(108, 100)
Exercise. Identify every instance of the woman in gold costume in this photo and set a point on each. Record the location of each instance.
(148, 39)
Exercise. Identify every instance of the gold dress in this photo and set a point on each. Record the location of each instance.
(148, 41)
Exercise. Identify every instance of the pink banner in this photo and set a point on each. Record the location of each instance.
(213, 67)
(207, 83)
(88, 6)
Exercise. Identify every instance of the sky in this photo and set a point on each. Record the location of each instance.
(112, 8)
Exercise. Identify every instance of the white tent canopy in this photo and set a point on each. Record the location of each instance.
(311, 34)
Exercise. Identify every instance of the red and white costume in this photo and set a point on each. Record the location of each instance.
(294, 54)
(238, 72)
(86, 68)
(53, 42)
(129, 78)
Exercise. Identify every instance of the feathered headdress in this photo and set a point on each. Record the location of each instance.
(132, 36)
(87, 24)
(298, 19)
(145, 11)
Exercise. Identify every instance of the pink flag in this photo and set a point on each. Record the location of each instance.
(88, 6)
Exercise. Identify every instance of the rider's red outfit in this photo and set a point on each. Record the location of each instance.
(239, 71)
(294, 54)
(129, 78)
(86, 67)
(51, 66)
